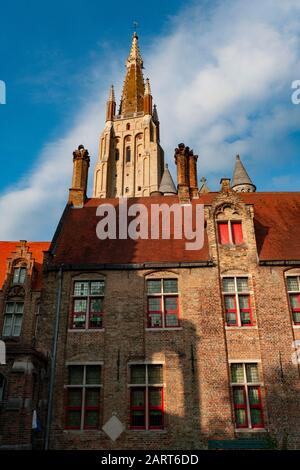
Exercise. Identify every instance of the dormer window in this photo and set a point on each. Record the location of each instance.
(230, 232)
(19, 275)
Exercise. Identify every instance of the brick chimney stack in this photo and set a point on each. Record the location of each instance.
(81, 163)
(186, 163)
(193, 184)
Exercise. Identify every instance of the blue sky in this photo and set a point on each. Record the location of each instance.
(220, 72)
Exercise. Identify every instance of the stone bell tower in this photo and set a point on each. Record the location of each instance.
(131, 160)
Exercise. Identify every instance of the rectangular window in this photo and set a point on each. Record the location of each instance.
(83, 397)
(162, 303)
(246, 395)
(88, 299)
(19, 275)
(237, 301)
(146, 396)
(230, 232)
(13, 319)
(293, 286)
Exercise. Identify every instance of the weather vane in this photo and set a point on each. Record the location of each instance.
(135, 25)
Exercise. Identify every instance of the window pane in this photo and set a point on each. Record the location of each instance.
(74, 397)
(95, 320)
(76, 375)
(96, 304)
(292, 283)
(237, 233)
(138, 418)
(81, 288)
(91, 419)
(228, 284)
(22, 275)
(242, 284)
(97, 288)
(155, 397)
(7, 327)
(92, 397)
(16, 275)
(154, 286)
(295, 301)
(154, 304)
(246, 318)
(80, 305)
(171, 320)
(238, 396)
(296, 317)
(171, 303)
(252, 373)
(138, 398)
(138, 375)
(93, 375)
(154, 320)
(17, 325)
(73, 419)
(240, 418)
(155, 374)
(231, 318)
(253, 395)
(19, 307)
(155, 419)
(230, 302)
(256, 417)
(223, 233)
(170, 285)
(244, 301)
(237, 373)
(10, 307)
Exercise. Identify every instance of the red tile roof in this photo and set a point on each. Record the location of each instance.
(276, 221)
(36, 248)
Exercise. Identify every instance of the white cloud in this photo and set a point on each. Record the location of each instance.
(221, 76)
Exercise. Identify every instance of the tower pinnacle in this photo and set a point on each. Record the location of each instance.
(241, 181)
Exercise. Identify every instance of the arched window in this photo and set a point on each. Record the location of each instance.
(128, 154)
(128, 126)
(117, 154)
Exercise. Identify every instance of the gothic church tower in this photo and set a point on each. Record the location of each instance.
(131, 160)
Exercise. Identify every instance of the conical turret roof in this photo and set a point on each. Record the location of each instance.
(240, 175)
(167, 185)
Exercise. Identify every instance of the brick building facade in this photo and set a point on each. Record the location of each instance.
(154, 346)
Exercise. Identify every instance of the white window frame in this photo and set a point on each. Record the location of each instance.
(88, 297)
(146, 385)
(19, 270)
(236, 294)
(162, 296)
(13, 314)
(291, 292)
(84, 386)
(246, 384)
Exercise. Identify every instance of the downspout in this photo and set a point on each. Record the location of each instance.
(53, 359)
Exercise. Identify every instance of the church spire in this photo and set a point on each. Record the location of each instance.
(132, 100)
(241, 181)
(111, 105)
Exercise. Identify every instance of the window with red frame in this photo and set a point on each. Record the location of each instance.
(246, 394)
(230, 232)
(88, 299)
(237, 301)
(83, 397)
(293, 286)
(146, 396)
(162, 303)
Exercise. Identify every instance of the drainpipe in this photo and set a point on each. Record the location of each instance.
(53, 358)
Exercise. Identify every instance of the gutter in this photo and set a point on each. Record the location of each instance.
(279, 262)
(53, 359)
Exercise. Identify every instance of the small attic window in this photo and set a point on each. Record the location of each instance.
(19, 275)
(128, 126)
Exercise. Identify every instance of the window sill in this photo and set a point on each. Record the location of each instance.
(84, 330)
(254, 327)
(148, 431)
(296, 327)
(176, 328)
(252, 430)
(82, 431)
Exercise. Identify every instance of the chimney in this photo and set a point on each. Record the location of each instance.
(192, 159)
(147, 99)
(182, 163)
(81, 163)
